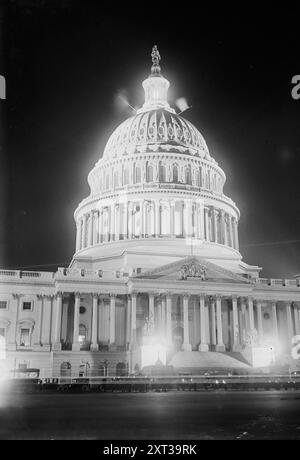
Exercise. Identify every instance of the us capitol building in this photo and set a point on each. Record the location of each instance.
(157, 273)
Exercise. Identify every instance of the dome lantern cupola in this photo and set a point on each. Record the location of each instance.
(156, 87)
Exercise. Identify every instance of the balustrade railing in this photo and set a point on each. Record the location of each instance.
(278, 282)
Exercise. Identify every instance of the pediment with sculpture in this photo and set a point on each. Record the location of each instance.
(194, 269)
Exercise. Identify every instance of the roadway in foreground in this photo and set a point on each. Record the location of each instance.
(170, 416)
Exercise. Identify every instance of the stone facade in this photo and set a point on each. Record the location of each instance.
(156, 238)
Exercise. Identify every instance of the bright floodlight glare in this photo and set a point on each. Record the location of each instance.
(151, 354)
(182, 104)
(263, 356)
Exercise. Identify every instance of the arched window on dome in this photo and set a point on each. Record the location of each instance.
(188, 175)
(162, 173)
(137, 175)
(149, 173)
(126, 176)
(200, 177)
(214, 182)
(116, 178)
(208, 180)
(175, 174)
(197, 178)
(219, 186)
(107, 181)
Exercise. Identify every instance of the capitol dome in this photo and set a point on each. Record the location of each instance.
(156, 191)
(155, 130)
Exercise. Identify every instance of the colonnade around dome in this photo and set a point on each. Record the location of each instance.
(156, 219)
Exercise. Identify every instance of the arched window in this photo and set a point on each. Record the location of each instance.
(116, 179)
(107, 181)
(126, 176)
(197, 178)
(137, 174)
(162, 173)
(149, 173)
(175, 174)
(208, 180)
(188, 175)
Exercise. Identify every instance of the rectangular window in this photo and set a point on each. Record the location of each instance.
(22, 366)
(24, 339)
(26, 305)
(3, 304)
(2, 331)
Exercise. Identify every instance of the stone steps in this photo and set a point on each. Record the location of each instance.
(189, 360)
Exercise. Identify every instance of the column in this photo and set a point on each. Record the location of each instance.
(235, 318)
(151, 308)
(57, 322)
(117, 222)
(206, 224)
(215, 224)
(203, 339)
(251, 315)
(133, 319)
(213, 321)
(259, 321)
(158, 319)
(231, 242)
(169, 319)
(172, 218)
(46, 322)
(220, 345)
(84, 224)
(13, 329)
(94, 341)
(76, 344)
(125, 220)
(222, 226)
(100, 225)
(274, 321)
(186, 336)
(78, 235)
(296, 319)
(157, 219)
(201, 221)
(163, 316)
(188, 218)
(38, 323)
(112, 320)
(226, 230)
(130, 220)
(108, 234)
(142, 221)
(112, 226)
(244, 321)
(128, 320)
(235, 233)
(289, 320)
(90, 235)
(94, 231)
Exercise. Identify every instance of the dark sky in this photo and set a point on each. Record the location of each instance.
(65, 61)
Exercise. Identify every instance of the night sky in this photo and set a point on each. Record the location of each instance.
(65, 62)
